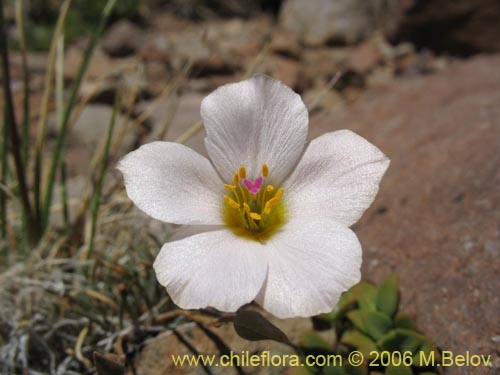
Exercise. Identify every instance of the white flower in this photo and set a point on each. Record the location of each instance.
(269, 214)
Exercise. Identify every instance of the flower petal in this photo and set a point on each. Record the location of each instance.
(337, 178)
(173, 183)
(214, 269)
(310, 264)
(256, 121)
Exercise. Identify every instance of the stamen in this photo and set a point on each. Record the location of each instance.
(247, 208)
(257, 209)
(243, 172)
(255, 216)
(279, 193)
(231, 202)
(273, 201)
(265, 170)
(270, 204)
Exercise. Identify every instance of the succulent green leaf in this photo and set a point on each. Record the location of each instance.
(373, 323)
(398, 370)
(366, 295)
(387, 299)
(359, 341)
(405, 321)
(346, 302)
(356, 370)
(401, 340)
(301, 371)
(426, 347)
(333, 370)
(312, 341)
(252, 326)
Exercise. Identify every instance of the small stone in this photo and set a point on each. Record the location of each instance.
(492, 247)
(123, 38)
(319, 22)
(365, 57)
(285, 44)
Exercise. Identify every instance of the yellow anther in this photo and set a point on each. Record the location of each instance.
(236, 178)
(279, 193)
(247, 208)
(270, 204)
(243, 172)
(231, 202)
(265, 170)
(269, 188)
(230, 187)
(255, 216)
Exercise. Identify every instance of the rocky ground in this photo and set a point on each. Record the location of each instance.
(436, 220)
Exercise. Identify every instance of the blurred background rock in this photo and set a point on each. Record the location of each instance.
(419, 78)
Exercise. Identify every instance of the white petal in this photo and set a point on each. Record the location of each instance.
(310, 264)
(337, 178)
(214, 269)
(173, 183)
(253, 122)
(190, 230)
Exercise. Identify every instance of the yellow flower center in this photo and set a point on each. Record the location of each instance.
(252, 209)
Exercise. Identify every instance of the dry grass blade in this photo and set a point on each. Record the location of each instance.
(12, 132)
(61, 138)
(79, 345)
(44, 106)
(26, 80)
(98, 296)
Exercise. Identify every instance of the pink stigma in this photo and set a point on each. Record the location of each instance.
(253, 187)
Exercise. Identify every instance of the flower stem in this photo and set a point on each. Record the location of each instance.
(33, 226)
(59, 147)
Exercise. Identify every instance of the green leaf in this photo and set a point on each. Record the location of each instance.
(366, 295)
(301, 371)
(387, 299)
(373, 323)
(312, 341)
(425, 348)
(346, 302)
(406, 322)
(252, 326)
(401, 340)
(359, 341)
(398, 370)
(333, 370)
(356, 370)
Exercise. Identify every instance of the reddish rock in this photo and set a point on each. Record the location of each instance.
(435, 221)
(100, 66)
(155, 50)
(156, 358)
(324, 63)
(319, 22)
(285, 44)
(123, 38)
(461, 27)
(365, 57)
(288, 71)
